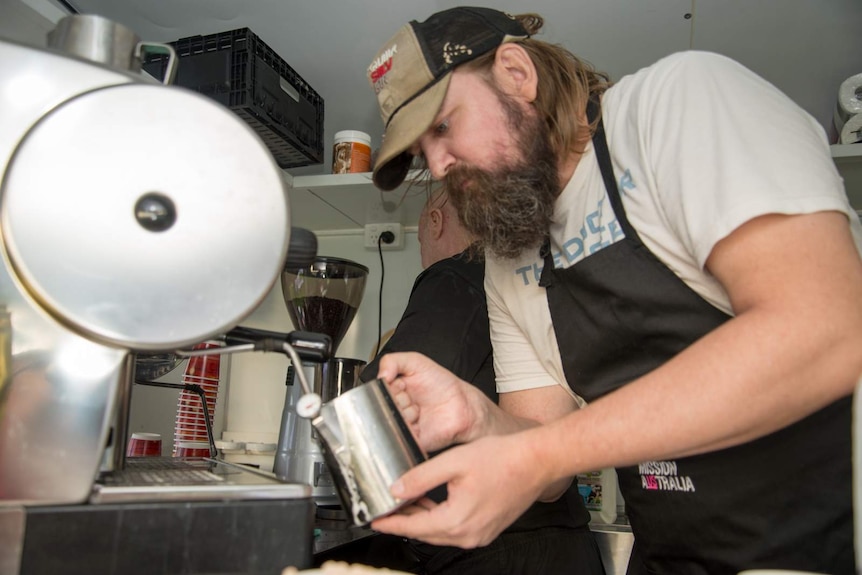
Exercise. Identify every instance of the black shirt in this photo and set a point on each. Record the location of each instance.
(446, 319)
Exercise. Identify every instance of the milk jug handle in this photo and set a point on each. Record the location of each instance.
(171, 71)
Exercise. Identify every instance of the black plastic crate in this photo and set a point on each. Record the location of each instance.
(239, 70)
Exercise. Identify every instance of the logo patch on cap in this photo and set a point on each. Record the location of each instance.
(380, 66)
(451, 51)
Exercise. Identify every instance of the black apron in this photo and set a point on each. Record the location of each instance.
(782, 501)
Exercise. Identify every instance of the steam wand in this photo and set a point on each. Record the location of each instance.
(298, 345)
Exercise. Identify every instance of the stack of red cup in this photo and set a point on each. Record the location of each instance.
(190, 423)
(144, 445)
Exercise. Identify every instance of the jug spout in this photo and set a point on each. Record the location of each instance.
(338, 459)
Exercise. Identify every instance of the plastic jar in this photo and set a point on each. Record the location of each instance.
(351, 152)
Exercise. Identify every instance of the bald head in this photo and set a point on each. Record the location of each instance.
(441, 234)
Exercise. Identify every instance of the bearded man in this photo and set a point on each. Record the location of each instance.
(674, 289)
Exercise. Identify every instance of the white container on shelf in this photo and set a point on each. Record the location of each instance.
(351, 152)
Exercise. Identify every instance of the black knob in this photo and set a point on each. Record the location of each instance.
(155, 212)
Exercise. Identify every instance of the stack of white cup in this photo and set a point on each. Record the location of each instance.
(848, 111)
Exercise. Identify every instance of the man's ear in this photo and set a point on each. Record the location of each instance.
(435, 223)
(515, 73)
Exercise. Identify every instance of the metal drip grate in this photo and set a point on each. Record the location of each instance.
(190, 479)
(155, 471)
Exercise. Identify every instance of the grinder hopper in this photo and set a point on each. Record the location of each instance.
(324, 296)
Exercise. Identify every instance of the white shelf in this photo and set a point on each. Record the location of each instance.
(848, 159)
(851, 152)
(348, 201)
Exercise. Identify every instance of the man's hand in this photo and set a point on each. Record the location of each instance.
(440, 408)
(490, 483)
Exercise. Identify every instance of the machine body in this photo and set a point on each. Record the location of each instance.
(134, 217)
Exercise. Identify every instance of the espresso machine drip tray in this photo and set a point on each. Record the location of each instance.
(190, 479)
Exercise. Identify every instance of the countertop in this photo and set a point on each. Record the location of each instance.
(615, 541)
(332, 533)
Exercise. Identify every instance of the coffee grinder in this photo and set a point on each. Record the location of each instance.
(322, 297)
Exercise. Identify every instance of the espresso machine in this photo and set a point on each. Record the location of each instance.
(322, 297)
(135, 217)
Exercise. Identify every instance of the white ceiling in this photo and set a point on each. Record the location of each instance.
(805, 47)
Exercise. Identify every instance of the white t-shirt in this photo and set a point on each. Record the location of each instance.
(699, 145)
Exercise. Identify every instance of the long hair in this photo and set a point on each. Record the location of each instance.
(565, 85)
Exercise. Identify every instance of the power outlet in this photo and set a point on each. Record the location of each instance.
(373, 231)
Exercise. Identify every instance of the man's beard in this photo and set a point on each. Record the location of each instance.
(509, 209)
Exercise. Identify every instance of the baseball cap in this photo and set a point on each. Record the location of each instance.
(411, 74)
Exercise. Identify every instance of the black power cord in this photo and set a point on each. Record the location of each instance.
(386, 237)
